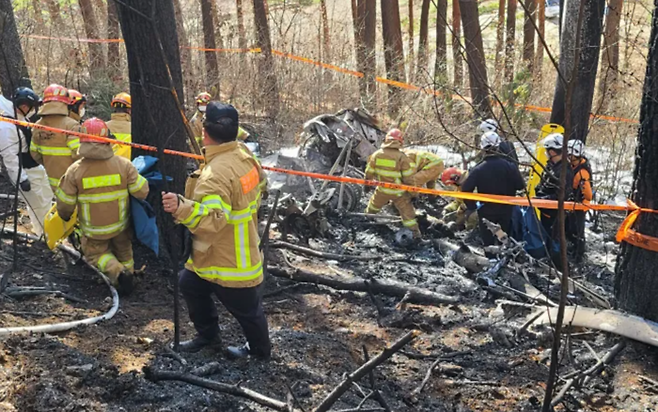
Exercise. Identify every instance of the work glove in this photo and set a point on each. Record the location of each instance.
(25, 185)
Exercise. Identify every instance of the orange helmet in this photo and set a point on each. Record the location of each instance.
(122, 100)
(96, 127)
(203, 98)
(451, 176)
(56, 93)
(395, 134)
(76, 96)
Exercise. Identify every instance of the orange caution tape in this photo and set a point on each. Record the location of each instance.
(339, 69)
(625, 233)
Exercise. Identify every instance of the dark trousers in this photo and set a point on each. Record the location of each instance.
(548, 220)
(245, 304)
(576, 232)
(504, 220)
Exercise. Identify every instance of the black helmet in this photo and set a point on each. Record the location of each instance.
(25, 95)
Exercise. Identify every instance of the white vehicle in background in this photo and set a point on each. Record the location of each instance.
(552, 9)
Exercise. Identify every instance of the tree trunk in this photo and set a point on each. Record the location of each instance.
(212, 68)
(509, 41)
(636, 284)
(242, 37)
(393, 52)
(147, 61)
(421, 65)
(37, 12)
(189, 75)
(217, 24)
(269, 88)
(113, 60)
(365, 25)
(325, 30)
(477, 69)
(500, 33)
(610, 52)
(440, 65)
(410, 45)
(101, 17)
(12, 63)
(541, 22)
(457, 57)
(96, 62)
(55, 13)
(587, 66)
(529, 34)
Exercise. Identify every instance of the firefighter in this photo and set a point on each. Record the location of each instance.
(100, 185)
(120, 123)
(454, 214)
(15, 152)
(583, 193)
(220, 211)
(77, 106)
(55, 151)
(505, 147)
(549, 186)
(196, 122)
(389, 164)
(497, 176)
(428, 168)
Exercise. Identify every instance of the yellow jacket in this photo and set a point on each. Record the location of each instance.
(120, 127)
(100, 184)
(423, 160)
(55, 151)
(220, 210)
(390, 164)
(196, 124)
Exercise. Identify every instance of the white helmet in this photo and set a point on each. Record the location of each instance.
(489, 125)
(489, 139)
(553, 141)
(576, 148)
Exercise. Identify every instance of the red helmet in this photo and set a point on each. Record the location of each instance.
(395, 134)
(56, 93)
(76, 96)
(96, 127)
(203, 98)
(451, 176)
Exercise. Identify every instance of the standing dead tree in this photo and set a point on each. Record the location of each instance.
(12, 61)
(477, 68)
(393, 52)
(269, 92)
(210, 55)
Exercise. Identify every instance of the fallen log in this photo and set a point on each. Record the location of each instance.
(612, 321)
(316, 253)
(463, 256)
(411, 294)
(155, 375)
(335, 394)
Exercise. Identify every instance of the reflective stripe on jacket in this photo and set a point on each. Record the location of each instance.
(55, 151)
(423, 160)
(120, 127)
(390, 164)
(100, 184)
(220, 210)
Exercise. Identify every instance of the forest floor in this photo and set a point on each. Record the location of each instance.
(317, 333)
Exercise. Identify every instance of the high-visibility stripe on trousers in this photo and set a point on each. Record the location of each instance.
(402, 203)
(110, 256)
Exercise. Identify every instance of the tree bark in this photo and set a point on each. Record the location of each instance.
(636, 284)
(421, 65)
(500, 32)
(101, 17)
(37, 12)
(217, 24)
(509, 40)
(55, 13)
(212, 67)
(269, 87)
(96, 61)
(325, 30)
(529, 34)
(458, 70)
(153, 65)
(113, 60)
(189, 74)
(242, 37)
(541, 23)
(587, 65)
(365, 25)
(440, 65)
(410, 45)
(477, 69)
(610, 52)
(393, 52)
(12, 61)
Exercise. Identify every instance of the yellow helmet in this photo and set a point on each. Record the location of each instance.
(122, 100)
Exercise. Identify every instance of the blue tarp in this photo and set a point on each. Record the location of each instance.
(144, 225)
(145, 165)
(527, 228)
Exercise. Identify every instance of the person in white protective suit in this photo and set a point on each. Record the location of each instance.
(15, 153)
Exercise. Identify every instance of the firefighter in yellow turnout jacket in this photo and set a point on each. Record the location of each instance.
(100, 185)
(120, 124)
(428, 168)
(220, 211)
(55, 151)
(196, 122)
(390, 164)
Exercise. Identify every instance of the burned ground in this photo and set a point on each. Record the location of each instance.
(318, 334)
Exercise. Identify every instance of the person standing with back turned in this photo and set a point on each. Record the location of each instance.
(220, 210)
